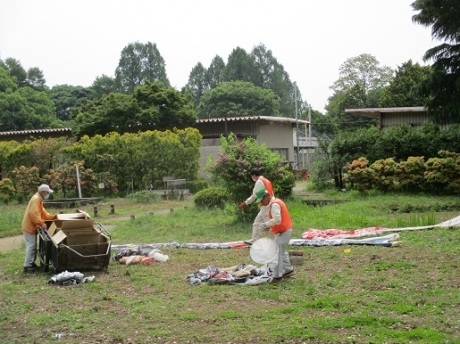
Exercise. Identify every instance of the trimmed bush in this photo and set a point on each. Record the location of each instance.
(144, 196)
(211, 198)
(197, 185)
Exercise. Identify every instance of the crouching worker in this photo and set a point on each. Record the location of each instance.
(34, 217)
(280, 224)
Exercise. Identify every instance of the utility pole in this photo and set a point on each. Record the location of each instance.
(309, 138)
(297, 125)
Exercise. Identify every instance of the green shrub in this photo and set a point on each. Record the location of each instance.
(211, 198)
(411, 174)
(385, 173)
(7, 190)
(144, 196)
(443, 174)
(197, 185)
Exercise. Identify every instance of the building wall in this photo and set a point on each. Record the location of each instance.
(278, 136)
(413, 119)
(209, 147)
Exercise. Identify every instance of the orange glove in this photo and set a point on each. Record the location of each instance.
(242, 205)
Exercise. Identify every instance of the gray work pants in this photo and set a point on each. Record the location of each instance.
(284, 264)
(31, 248)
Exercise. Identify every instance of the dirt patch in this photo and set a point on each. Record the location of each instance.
(10, 243)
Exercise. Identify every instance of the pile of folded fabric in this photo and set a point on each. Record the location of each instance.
(140, 255)
(243, 274)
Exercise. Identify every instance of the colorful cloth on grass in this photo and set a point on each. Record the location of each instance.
(370, 231)
(243, 274)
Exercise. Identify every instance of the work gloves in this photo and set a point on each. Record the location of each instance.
(262, 225)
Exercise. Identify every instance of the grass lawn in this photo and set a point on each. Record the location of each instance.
(373, 294)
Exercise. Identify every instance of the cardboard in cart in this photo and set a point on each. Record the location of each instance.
(80, 215)
(61, 218)
(68, 226)
(77, 243)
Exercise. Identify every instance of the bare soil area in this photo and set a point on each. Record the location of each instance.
(10, 243)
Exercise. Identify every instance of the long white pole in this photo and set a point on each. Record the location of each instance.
(297, 125)
(309, 139)
(78, 181)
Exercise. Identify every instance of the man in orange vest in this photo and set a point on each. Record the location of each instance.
(260, 183)
(280, 224)
(34, 217)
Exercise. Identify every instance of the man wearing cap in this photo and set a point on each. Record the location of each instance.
(34, 217)
(260, 183)
(280, 224)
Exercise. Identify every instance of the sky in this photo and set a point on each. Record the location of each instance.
(73, 42)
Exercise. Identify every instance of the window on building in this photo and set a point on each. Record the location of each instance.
(282, 151)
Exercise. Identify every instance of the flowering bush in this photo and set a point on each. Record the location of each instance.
(236, 159)
(26, 181)
(64, 179)
(7, 190)
(359, 174)
(436, 175)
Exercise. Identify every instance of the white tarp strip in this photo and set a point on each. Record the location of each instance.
(314, 237)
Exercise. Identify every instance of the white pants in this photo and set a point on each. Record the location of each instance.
(31, 248)
(262, 216)
(284, 264)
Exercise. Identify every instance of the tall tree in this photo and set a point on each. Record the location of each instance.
(269, 73)
(138, 64)
(17, 72)
(400, 91)
(443, 86)
(238, 98)
(240, 66)
(364, 71)
(36, 79)
(7, 84)
(197, 82)
(215, 73)
(163, 107)
(360, 84)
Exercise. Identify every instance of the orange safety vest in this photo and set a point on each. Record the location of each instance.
(286, 221)
(268, 185)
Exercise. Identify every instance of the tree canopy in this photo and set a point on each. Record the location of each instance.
(138, 64)
(401, 90)
(364, 71)
(259, 67)
(360, 85)
(151, 106)
(442, 87)
(238, 98)
(21, 106)
(67, 97)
